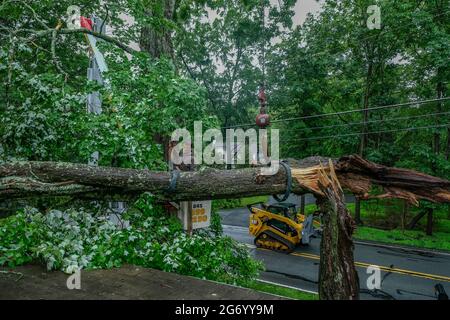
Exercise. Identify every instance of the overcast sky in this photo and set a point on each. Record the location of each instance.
(303, 7)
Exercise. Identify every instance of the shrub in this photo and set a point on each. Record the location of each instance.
(74, 239)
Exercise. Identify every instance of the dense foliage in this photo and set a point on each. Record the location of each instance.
(43, 108)
(334, 63)
(331, 63)
(217, 55)
(74, 239)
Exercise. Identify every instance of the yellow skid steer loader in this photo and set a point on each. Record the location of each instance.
(279, 227)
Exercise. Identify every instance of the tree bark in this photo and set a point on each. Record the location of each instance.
(365, 111)
(439, 95)
(405, 210)
(429, 230)
(364, 136)
(447, 150)
(358, 220)
(157, 41)
(338, 278)
(302, 204)
(358, 176)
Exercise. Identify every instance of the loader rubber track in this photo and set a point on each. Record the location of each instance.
(272, 241)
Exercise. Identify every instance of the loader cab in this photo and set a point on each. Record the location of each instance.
(285, 209)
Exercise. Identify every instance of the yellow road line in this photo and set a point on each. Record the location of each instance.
(384, 268)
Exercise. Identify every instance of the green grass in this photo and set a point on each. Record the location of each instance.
(236, 203)
(282, 291)
(415, 238)
(250, 200)
(379, 214)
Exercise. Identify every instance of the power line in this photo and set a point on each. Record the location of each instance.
(366, 133)
(374, 121)
(411, 103)
(344, 112)
(321, 52)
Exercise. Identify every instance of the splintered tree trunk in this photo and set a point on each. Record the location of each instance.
(338, 279)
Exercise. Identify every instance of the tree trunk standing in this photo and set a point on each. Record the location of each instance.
(404, 213)
(365, 112)
(358, 220)
(365, 115)
(441, 22)
(440, 94)
(302, 204)
(189, 218)
(157, 41)
(447, 151)
(338, 279)
(436, 146)
(429, 230)
(437, 135)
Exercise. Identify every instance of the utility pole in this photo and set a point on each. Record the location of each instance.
(302, 204)
(97, 66)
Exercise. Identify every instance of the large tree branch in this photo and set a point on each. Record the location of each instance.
(102, 36)
(359, 176)
(49, 32)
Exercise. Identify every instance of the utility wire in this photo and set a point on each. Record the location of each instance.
(411, 103)
(373, 121)
(365, 133)
(323, 52)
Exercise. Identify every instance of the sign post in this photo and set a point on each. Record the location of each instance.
(195, 214)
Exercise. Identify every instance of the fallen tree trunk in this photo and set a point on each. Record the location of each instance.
(323, 177)
(356, 175)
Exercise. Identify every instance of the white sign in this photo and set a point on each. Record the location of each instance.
(201, 214)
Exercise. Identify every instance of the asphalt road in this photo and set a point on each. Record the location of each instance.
(406, 273)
